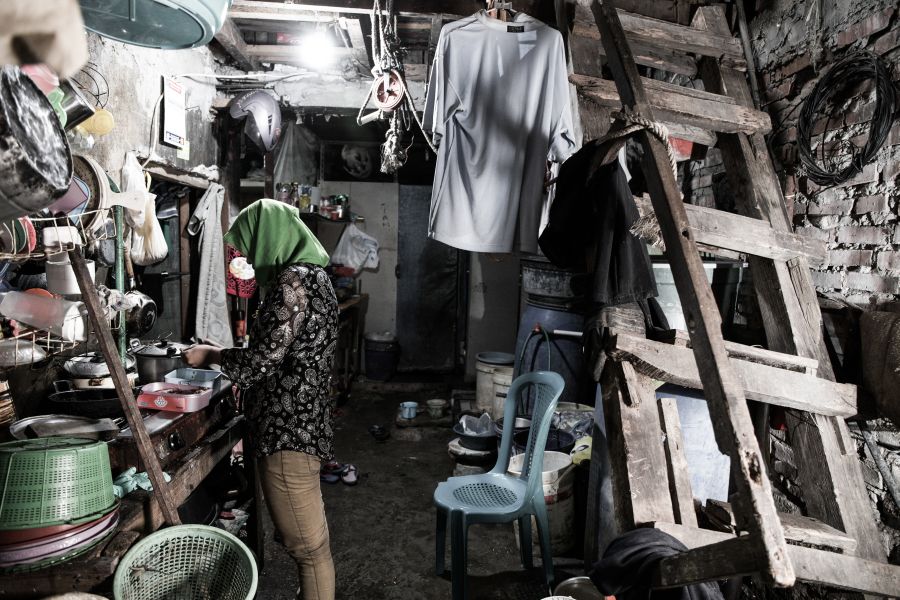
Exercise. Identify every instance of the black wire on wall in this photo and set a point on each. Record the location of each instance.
(846, 74)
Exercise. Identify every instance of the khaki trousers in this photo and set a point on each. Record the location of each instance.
(290, 481)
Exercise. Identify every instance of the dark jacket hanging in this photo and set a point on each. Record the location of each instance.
(594, 208)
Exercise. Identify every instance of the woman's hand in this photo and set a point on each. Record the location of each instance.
(202, 355)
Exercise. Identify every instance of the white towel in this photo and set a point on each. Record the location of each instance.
(213, 324)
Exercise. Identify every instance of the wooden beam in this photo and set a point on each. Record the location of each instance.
(231, 39)
(657, 58)
(753, 237)
(676, 463)
(680, 104)
(830, 472)
(814, 566)
(637, 464)
(797, 528)
(100, 325)
(290, 54)
(790, 362)
(357, 39)
(647, 32)
(759, 382)
(300, 11)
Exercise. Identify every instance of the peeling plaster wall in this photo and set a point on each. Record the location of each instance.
(135, 75)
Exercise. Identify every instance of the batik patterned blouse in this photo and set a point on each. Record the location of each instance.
(285, 374)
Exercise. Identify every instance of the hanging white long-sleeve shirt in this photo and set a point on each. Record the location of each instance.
(498, 106)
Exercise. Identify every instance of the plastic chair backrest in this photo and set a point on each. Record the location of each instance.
(548, 387)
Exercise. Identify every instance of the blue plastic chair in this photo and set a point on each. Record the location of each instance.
(496, 497)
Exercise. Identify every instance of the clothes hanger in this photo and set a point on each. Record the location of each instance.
(500, 10)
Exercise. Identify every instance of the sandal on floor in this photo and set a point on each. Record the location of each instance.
(329, 477)
(333, 467)
(350, 475)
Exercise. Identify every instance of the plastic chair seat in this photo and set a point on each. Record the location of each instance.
(487, 493)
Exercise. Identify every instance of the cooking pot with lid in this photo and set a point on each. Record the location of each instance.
(92, 365)
(155, 359)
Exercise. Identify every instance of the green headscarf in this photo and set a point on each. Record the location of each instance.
(271, 235)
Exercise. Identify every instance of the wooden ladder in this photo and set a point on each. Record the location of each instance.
(838, 544)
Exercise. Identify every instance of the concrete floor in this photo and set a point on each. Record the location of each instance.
(383, 529)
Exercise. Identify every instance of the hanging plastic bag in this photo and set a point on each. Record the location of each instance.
(133, 181)
(356, 249)
(148, 243)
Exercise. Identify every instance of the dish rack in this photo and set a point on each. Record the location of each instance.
(90, 226)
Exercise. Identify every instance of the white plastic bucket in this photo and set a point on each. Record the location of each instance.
(558, 480)
(500, 382)
(486, 364)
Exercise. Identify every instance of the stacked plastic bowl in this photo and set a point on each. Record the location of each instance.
(56, 501)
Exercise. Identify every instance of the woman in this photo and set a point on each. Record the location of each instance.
(284, 378)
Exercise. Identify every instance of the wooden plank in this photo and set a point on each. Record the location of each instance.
(671, 37)
(299, 11)
(815, 566)
(679, 475)
(169, 173)
(683, 105)
(357, 40)
(126, 395)
(746, 235)
(640, 487)
(657, 58)
(727, 405)
(790, 362)
(830, 473)
(232, 40)
(734, 556)
(286, 53)
(759, 382)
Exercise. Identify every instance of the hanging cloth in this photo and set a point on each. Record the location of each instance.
(212, 322)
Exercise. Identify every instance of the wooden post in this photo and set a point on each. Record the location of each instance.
(123, 388)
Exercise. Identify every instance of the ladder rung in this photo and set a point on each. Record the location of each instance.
(679, 104)
(761, 382)
(658, 58)
(779, 360)
(667, 37)
(816, 566)
(797, 528)
(755, 237)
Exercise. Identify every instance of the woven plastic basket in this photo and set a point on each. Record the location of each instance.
(53, 481)
(187, 562)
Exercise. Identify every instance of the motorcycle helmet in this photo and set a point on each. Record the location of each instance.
(263, 124)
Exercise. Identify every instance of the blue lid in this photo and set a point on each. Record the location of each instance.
(496, 358)
(168, 24)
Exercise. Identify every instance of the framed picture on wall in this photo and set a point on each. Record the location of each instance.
(354, 161)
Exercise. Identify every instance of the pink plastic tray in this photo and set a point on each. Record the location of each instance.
(174, 397)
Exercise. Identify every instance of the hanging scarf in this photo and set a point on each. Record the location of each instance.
(273, 237)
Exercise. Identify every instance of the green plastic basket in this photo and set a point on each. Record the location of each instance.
(53, 481)
(187, 562)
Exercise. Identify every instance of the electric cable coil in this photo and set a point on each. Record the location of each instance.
(846, 74)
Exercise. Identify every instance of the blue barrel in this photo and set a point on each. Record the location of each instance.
(555, 299)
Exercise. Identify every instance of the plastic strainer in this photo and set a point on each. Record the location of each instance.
(187, 561)
(53, 481)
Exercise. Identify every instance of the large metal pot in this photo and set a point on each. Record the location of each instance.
(92, 365)
(155, 359)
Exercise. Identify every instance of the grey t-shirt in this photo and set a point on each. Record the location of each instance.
(498, 106)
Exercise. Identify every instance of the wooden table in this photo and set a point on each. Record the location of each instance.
(347, 355)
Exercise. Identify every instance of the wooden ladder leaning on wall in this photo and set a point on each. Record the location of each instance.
(838, 544)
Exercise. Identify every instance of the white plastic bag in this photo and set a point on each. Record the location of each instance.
(148, 243)
(356, 249)
(133, 181)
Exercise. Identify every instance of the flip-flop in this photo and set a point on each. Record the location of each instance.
(329, 477)
(350, 475)
(333, 467)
